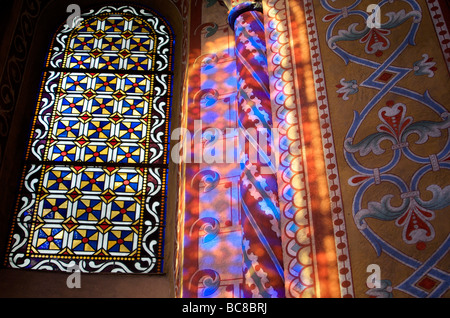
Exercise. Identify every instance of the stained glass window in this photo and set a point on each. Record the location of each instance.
(93, 189)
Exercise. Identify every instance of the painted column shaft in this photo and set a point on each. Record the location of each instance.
(260, 216)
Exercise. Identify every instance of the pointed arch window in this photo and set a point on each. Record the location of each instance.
(93, 189)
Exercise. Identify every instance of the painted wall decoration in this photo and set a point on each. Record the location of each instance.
(359, 115)
(386, 105)
(210, 257)
(376, 192)
(208, 83)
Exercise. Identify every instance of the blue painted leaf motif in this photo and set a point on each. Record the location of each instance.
(346, 88)
(414, 214)
(440, 200)
(211, 227)
(211, 283)
(207, 278)
(425, 129)
(385, 290)
(374, 38)
(426, 66)
(209, 100)
(396, 127)
(381, 210)
(350, 34)
(211, 30)
(209, 179)
(210, 3)
(369, 144)
(397, 18)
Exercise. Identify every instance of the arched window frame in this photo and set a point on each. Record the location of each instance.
(27, 220)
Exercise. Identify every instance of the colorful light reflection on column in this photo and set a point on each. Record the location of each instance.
(260, 216)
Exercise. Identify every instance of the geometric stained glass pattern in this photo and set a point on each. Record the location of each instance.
(93, 190)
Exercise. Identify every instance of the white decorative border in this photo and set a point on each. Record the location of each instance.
(337, 210)
(441, 29)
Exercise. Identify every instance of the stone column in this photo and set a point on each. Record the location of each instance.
(260, 215)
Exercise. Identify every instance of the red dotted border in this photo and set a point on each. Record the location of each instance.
(339, 228)
(441, 29)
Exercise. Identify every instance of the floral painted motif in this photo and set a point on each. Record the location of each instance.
(399, 150)
(385, 290)
(376, 41)
(396, 128)
(346, 88)
(413, 215)
(426, 66)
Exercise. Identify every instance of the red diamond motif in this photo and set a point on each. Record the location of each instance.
(427, 283)
(73, 195)
(115, 118)
(82, 141)
(113, 142)
(385, 77)
(70, 224)
(143, 144)
(85, 117)
(124, 53)
(104, 225)
(108, 195)
(119, 95)
(99, 34)
(146, 97)
(110, 169)
(96, 53)
(77, 169)
(89, 94)
(127, 34)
